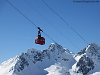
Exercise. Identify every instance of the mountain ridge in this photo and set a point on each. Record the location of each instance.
(55, 60)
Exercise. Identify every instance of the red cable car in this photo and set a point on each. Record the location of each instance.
(39, 40)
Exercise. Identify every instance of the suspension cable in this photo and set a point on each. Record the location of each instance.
(50, 37)
(21, 13)
(27, 18)
(65, 22)
(51, 24)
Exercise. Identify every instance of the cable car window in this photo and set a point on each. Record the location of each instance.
(43, 39)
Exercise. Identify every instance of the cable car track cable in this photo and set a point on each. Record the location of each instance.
(21, 13)
(27, 18)
(51, 25)
(65, 22)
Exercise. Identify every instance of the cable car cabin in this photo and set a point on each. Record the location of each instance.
(40, 40)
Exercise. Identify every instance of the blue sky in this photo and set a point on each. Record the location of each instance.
(18, 34)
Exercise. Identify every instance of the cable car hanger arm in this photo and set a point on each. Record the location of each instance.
(39, 32)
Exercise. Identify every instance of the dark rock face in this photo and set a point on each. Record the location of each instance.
(82, 51)
(85, 64)
(39, 56)
(22, 63)
(33, 56)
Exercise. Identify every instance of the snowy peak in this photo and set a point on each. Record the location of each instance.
(54, 47)
(87, 59)
(92, 49)
(39, 60)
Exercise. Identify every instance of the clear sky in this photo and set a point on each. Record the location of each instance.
(17, 34)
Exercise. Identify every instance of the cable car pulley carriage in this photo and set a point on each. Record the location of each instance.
(40, 40)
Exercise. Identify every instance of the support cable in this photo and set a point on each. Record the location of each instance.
(65, 22)
(27, 18)
(51, 24)
(49, 37)
(21, 13)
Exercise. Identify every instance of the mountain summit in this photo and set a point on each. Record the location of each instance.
(55, 60)
(88, 61)
(39, 62)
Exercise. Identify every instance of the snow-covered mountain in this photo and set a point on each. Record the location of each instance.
(55, 60)
(88, 61)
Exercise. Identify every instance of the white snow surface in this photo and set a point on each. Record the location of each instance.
(55, 60)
